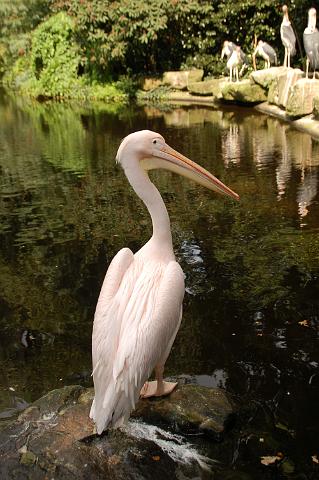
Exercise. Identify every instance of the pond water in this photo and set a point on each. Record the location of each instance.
(250, 320)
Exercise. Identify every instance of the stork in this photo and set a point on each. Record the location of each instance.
(233, 63)
(265, 51)
(288, 37)
(311, 43)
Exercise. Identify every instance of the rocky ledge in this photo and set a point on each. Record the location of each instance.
(54, 437)
(195, 433)
(278, 91)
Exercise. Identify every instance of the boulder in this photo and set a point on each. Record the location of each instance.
(180, 80)
(54, 438)
(243, 92)
(207, 87)
(280, 87)
(265, 77)
(301, 97)
(191, 409)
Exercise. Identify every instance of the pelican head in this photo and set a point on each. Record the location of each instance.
(284, 9)
(149, 150)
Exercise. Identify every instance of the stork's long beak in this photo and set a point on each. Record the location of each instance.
(178, 163)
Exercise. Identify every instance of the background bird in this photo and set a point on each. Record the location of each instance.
(288, 37)
(228, 48)
(233, 64)
(311, 42)
(265, 51)
(139, 309)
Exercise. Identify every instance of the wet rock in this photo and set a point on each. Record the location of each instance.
(279, 89)
(244, 92)
(190, 409)
(180, 80)
(54, 438)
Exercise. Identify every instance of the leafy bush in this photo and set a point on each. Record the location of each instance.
(54, 56)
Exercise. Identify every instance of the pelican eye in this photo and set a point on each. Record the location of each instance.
(154, 141)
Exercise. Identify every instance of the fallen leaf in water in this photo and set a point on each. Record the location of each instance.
(269, 460)
(156, 458)
(315, 459)
(304, 323)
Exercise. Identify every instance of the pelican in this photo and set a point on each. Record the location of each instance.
(311, 43)
(288, 37)
(265, 51)
(139, 309)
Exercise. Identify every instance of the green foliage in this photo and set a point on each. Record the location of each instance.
(54, 56)
(17, 19)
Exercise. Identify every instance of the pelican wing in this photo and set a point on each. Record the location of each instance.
(132, 328)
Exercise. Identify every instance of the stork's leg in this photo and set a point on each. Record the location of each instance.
(307, 67)
(236, 70)
(285, 59)
(288, 59)
(231, 74)
(314, 74)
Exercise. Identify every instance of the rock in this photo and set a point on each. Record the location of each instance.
(53, 438)
(265, 77)
(207, 87)
(244, 92)
(316, 107)
(190, 408)
(180, 80)
(280, 87)
(301, 97)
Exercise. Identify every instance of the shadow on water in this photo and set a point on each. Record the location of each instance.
(251, 308)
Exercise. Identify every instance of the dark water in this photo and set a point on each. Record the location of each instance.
(251, 308)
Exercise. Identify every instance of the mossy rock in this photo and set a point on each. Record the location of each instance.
(244, 92)
(207, 87)
(265, 77)
(181, 79)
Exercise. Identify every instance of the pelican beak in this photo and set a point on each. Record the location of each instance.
(177, 163)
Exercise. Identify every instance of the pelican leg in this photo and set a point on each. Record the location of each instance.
(285, 59)
(307, 67)
(157, 388)
(237, 78)
(288, 59)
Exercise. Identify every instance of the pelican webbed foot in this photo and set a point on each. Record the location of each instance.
(157, 389)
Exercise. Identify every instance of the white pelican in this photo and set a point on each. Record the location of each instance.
(139, 309)
(288, 37)
(311, 42)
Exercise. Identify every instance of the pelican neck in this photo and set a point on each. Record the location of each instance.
(151, 197)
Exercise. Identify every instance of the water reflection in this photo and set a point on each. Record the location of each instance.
(251, 270)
